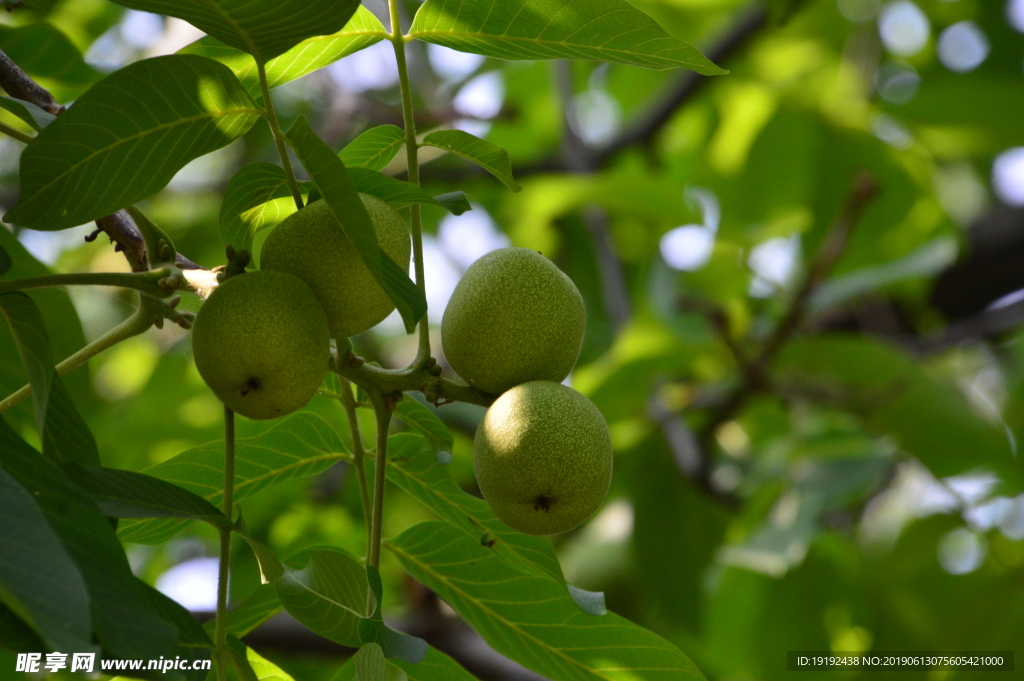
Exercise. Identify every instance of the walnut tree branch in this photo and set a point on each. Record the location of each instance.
(755, 372)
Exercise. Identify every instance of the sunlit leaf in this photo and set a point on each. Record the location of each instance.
(264, 28)
(256, 198)
(127, 137)
(487, 155)
(374, 148)
(298, 446)
(362, 30)
(603, 30)
(533, 619)
(413, 467)
(396, 192)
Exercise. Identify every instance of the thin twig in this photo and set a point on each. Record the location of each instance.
(864, 189)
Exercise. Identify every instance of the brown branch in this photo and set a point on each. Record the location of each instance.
(754, 374)
(18, 85)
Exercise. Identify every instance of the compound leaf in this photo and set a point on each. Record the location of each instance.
(127, 137)
(487, 155)
(262, 28)
(296, 447)
(603, 30)
(362, 30)
(533, 619)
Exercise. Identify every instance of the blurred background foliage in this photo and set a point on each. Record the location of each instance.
(865, 491)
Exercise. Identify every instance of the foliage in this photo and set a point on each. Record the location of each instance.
(813, 450)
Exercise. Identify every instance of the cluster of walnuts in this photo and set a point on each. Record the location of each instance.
(513, 328)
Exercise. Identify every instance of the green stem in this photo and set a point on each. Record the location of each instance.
(140, 321)
(388, 382)
(220, 637)
(412, 155)
(380, 410)
(140, 281)
(15, 133)
(275, 129)
(358, 455)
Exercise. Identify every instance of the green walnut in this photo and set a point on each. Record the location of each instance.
(543, 458)
(261, 342)
(311, 245)
(514, 317)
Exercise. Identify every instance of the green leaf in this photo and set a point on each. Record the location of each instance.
(265, 669)
(396, 192)
(257, 608)
(29, 333)
(122, 618)
(59, 316)
(436, 666)
(456, 203)
(256, 198)
(374, 148)
(263, 28)
(296, 447)
(533, 619)
(271, 569)
(426, 423)
(897, 398)
(127, 494)
(395, 644)
(47, 55)
(237, 651)
(487, 155)
(362, 30)
(602, 30)
(329, 595)
(370, 665)
(5, 261)
(334, 184)
(38, 579)
(16, 635)
(412, 466)
(127, 137)
(64, 434)
(28, 112)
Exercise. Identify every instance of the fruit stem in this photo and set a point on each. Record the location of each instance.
(16, 134)
(412, 156)
(140, 281)
(143, 318)
(275, 129)
(358, 455)
(220, 636)
(383, 415)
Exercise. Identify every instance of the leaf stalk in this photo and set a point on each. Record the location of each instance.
(275, 130)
